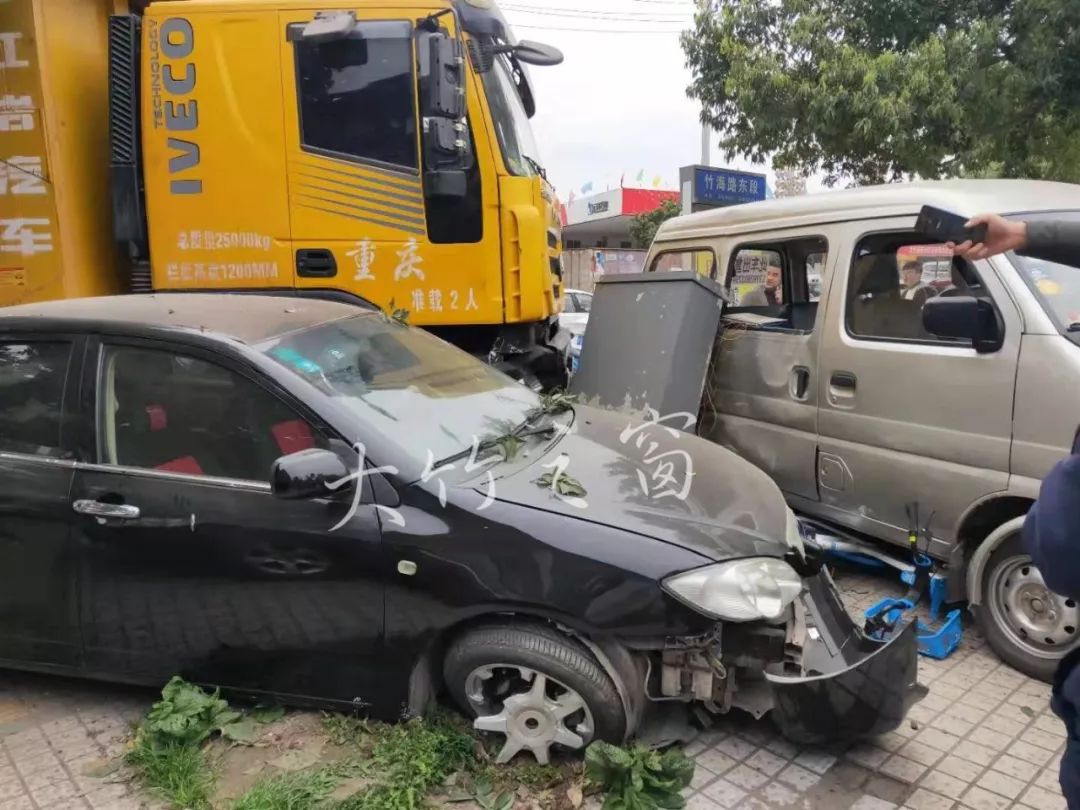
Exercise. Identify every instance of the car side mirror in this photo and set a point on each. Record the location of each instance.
(308, 474)
(975, 319)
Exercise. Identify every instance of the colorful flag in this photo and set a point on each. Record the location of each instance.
(570, 199)
(656, 181)
(641, 176)
(586, 188)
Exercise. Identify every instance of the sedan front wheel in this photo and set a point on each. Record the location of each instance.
(539, 689)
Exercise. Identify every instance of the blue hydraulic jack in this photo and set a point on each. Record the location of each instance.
(935, 640)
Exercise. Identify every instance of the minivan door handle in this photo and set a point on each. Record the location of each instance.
(800, 383)
(842, 379)
(315, 263)
(119, 511)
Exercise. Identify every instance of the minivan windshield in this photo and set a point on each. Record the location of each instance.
(1057, 286)
(428, 397)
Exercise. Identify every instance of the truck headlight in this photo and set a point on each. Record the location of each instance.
(738, 591)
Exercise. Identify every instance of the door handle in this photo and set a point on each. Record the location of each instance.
(315, 263)
(800, 382)
(106, 510)
(842, 379)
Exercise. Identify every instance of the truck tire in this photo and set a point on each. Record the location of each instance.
(535, 686)
(1029, 626)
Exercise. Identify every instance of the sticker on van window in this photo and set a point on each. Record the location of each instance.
(296, 359)
(1047, 286)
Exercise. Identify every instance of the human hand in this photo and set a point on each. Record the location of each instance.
(1002, 235)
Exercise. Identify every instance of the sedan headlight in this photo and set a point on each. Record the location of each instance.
(738, 591)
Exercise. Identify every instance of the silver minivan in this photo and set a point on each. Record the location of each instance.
(827, 377)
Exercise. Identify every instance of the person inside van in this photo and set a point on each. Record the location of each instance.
(914, 288)
(769, 294)
(1052, 526)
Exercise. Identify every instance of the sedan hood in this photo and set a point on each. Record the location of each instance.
(645, 476)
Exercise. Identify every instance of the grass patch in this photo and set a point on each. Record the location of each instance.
(179, 773)
(292, 791)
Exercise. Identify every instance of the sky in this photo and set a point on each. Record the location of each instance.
(618, 103)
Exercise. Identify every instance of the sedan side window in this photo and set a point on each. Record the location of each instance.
(32, 376)
(175, 413)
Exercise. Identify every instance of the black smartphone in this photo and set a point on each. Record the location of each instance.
(947, 227)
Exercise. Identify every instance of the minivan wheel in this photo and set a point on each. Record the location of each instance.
(1029, 626)
(539, 689)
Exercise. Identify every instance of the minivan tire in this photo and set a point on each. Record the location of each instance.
(1037, 663)
(541, 649)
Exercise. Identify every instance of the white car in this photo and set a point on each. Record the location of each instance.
(575, 314)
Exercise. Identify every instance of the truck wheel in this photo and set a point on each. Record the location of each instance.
(536, 687)
(1029, 626)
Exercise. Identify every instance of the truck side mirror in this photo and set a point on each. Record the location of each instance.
(443, 113)
(975, 319)
(442, 76)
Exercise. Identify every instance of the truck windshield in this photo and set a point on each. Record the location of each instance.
(1057, 286)
(512, 125)
(428, 397)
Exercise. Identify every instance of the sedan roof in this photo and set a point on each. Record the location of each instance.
(247, 318)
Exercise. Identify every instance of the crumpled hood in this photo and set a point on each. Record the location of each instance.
(641, 476)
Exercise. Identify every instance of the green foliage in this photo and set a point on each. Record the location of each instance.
(637, 778)
(644, 226)
(556, 402)
(291, 791)
(177, 772)
(875, 91)
(564, 485)
(185, 715)
(410, 759)
(345, 729)
(509, 444)
(398, 314)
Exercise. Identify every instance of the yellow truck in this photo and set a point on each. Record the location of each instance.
(378, 151)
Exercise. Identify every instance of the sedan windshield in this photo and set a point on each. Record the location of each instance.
(1057, 286)
(511, 123)
(430, 398)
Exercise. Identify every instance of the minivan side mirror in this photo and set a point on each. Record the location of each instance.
(976, 319)
(308, 474)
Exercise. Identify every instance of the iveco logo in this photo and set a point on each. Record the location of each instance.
(177, 41)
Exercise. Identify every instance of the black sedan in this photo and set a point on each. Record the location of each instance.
(313, 501)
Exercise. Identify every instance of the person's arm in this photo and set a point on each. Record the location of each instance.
(1053, 241)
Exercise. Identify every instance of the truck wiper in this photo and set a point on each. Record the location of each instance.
(1073, 327)
(536, 167)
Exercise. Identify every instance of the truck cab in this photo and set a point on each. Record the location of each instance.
(380, 153)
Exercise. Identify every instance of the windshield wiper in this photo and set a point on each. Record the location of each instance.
(536, 167)
(1073, 327)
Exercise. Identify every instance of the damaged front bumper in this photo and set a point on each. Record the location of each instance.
(844, 684)
(820, 677)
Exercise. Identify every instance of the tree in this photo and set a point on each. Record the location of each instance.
(790, 183)
(644, 226)
(877, 90)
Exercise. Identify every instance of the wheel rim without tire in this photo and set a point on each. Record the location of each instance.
(532, 710)
(1035, 618)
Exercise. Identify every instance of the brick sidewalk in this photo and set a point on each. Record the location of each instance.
(982, 739)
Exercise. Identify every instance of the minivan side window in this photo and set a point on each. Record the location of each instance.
(32, 377)
(780, 281)
(175, 413)
(700, 260)
(357, 96)
(892, 276)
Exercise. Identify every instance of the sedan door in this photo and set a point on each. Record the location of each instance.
(189, 564)
(38, 610)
